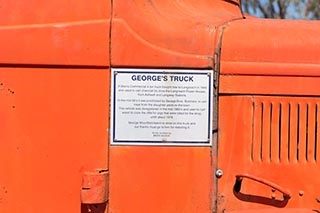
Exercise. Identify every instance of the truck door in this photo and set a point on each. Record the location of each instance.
(54, 76)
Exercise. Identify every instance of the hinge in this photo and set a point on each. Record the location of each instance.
(95, 187)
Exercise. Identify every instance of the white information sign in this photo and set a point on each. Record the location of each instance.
(161, 107)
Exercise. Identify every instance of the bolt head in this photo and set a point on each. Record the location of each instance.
(219, 173)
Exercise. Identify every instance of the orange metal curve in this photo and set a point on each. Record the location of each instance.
(168, 33)
(175, 34)
(55, 61)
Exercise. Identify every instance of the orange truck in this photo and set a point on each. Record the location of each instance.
(157, 106)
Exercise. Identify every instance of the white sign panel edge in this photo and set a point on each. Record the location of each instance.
(153, 78)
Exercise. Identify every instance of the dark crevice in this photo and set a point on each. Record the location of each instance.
(316, 133)
(298, 132)
(289, 124)
(280, 116)
(261, 136)
(270, 136)
(307, 132)
(253, 127)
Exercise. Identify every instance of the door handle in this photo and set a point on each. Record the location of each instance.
(237, 187)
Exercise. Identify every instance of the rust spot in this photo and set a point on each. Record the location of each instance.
(221, 199)
(3, 191)
(11, 91)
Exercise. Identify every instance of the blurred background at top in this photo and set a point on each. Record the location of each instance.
(283, 9)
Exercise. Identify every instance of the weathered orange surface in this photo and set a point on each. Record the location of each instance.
(55, 32)
(160, 179)
(55, 61)
(268, 115)
(274, 138)
(54, 74)
(271, 47)
(166, 33)
(53, 130)
(176, 34)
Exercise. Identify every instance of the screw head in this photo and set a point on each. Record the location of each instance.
(219, 173)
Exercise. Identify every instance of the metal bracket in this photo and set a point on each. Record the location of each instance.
(95, 187)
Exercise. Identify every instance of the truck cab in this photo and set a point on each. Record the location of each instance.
(157, 106)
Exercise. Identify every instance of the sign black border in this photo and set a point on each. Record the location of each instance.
(116, 72)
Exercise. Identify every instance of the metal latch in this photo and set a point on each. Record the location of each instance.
(95, 187)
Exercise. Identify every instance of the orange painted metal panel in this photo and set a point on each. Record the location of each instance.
(55, 119)
(149, 54)
(38, 32)
(53, 129)
(54, 81)
(168, 33)
(269, 85)
(174, 34)
(20, 12)
(160, 179)
(269, 68)
(71, 43)
(278, 47)
(272, 138)
(291, 210)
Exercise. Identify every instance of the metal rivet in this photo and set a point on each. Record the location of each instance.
(301, 193)
(219, 173)
(273, 195)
